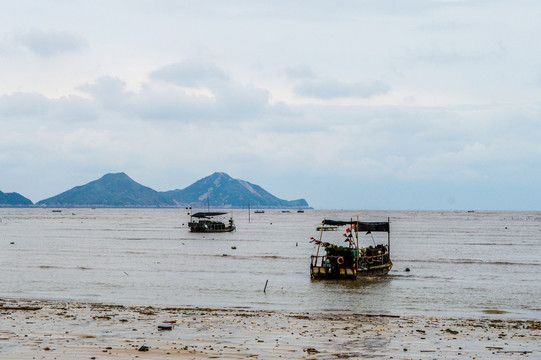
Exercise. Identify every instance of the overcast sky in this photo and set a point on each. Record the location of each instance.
(398, 104)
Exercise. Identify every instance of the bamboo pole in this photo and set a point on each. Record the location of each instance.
(389, 238)
(319, 245)
(357, 245)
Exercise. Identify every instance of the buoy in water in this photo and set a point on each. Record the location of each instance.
(407, 269)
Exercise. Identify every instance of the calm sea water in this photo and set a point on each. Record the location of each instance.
(462, 264)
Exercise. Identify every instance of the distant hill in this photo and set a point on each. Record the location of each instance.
(218, 190)
(113, 190)
(13, 199)
(222, 191)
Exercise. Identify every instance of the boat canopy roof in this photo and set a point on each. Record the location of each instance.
(360, 225)
(207, 214)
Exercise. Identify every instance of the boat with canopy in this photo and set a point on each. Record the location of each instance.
(333, 261)
(206, 222)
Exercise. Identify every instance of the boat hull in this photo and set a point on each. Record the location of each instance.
(323, 272)
(203, 230)
(208, 226)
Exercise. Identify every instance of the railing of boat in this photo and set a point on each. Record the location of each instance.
(380, 259)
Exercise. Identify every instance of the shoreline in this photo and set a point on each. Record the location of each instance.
(32, 329)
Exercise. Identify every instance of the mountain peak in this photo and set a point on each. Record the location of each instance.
(120, 175)
(221, 190)
(220, 174)
(114, 189)
(13, 199)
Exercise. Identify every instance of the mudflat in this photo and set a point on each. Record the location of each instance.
(74, 330)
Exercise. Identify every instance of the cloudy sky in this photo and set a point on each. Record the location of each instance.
(353, 104)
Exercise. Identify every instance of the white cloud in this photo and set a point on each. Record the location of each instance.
(37, 107)
(332, 89)
(50, 43)
(300, 72)
(19, 104)
(109, 91)
(222, 100)
(189, 73)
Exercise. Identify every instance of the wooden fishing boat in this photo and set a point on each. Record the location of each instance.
(205, 222)
(351, 261)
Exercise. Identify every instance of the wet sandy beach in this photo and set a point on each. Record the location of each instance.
(72, 330)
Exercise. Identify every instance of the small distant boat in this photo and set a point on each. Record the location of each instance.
(351, 261)
(327, 228)
(259, 212)
(285, 211)
(205, 222)
(300, 211)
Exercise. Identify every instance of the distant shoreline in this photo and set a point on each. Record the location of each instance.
(147, 207)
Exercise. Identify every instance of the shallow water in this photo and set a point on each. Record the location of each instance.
(462, 264)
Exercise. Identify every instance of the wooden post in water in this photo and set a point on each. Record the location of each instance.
(265, 289)
(389, 238)
(319, 244)
(357, 243)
